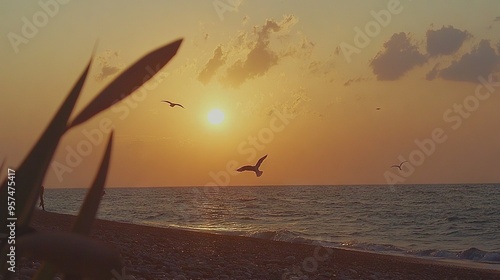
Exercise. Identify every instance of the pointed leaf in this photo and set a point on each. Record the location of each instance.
(30, 175)
(91, 203)
(130, 80)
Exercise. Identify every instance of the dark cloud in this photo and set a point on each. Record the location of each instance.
(108, 63)
(321, 68)
(245, 19)
(106, 71)
(217, 60)
(398, 57)
(337, 50)
(497, 19)
(251, 52)
(350, 81)
(431, 75)
(302, 50)
(445, 41)
(261, 57)
(257, 62)
(481, 61)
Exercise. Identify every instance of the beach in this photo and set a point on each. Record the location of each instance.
(165, 253)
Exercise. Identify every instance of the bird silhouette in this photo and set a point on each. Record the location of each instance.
(254, 168)
(172, 104)
(399, 165)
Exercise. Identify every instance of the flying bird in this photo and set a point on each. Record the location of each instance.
(254, 168)
(399, 165)
(172, 104)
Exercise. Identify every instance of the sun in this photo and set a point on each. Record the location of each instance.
(215, 116)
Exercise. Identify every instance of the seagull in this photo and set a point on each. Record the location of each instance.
(399, 166)
(253, 168)
(172, 104)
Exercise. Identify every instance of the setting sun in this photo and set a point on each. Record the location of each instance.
(215, 116)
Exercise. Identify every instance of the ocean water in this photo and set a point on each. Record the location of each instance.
(460, 222)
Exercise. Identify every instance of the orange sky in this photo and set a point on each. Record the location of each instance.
(297, 81)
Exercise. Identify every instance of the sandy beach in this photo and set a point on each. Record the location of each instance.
(162, 253)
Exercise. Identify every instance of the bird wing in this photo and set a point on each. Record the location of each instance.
(245, 168)
(180, 105)
(167, 102)
(260, 161)
(396, 166)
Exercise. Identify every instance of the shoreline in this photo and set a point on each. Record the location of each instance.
(166, 253)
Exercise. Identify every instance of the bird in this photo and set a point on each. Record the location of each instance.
(399, 165)
(254, 168)
(172, 104)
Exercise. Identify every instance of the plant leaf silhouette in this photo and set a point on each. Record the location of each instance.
(92, 200)
(87, 212)
(30, 175)
(128, 81)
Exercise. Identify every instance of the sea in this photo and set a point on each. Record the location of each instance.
(450, 222)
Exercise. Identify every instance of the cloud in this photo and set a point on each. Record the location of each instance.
(431, 75)
(481, 61)
(445, 41)
(293, 104)
(257, 63)
(217, 60)
(260, 57)
(245, 20)
(303, 49)
(251, 52)
(107, 61)
(497, 19)
(350, 81)
(106, 71)
(398, 57)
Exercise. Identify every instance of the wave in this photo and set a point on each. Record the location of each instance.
(153, 216)
(280, 235)
(471, 254)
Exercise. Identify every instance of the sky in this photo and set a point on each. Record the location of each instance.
(334, 92)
